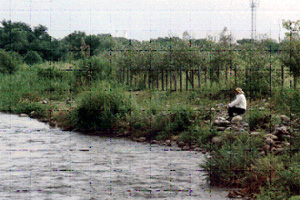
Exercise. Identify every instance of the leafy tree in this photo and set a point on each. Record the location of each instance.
(32, 57)
(290, 48)
(9, 62)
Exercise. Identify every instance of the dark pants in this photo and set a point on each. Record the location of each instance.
(232, 110)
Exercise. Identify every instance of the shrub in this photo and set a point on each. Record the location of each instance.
(41, 110)
(94, 68)
(9, 62)
(230, 163)
(102, 107)
(258, 119)
(32, 57)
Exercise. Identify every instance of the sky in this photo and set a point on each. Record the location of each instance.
(145, 19)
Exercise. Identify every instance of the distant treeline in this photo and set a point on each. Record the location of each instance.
(21, 38)
(217, 60)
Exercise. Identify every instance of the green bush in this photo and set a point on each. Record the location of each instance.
(94, 68)
(9, 62)
(102, 107)
(229, 165)
(258, 119)
(32, 57)
(41, 110)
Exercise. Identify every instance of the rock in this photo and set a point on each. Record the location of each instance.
(262, 153)
(197, 149)
(23, 115)
(244, 124)
(273, 137)
(68, 101)
(286, 144)
(216, 139)
(221, 123)
(269, 141)
(142, 139)
(266, 148)
(255, 133)
(52, 123)
(285, 119)
(168, 142)
(46, 101)
(278, 151)
(221, 128)
(180, 144)
(186, 148)
(261, 108)
(153, 142)
(237, 119)
(228, 129)
(221, 118)
(174, 138)
(33, 114)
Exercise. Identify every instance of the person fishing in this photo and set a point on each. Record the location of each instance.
(237, 106)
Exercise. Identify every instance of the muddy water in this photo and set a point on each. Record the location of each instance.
(37, 162)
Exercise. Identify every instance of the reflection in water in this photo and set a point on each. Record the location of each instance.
(42, 163)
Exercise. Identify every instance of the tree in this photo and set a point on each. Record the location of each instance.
(291, 48)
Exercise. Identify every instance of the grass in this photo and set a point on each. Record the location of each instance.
(103, 103)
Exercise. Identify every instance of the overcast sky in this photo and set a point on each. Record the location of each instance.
(145, 19)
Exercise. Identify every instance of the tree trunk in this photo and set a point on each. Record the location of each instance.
(226, 76)
(170, 80)
(149, 79)
(152, 79)
(205, 75)
(175, 80)
(128, 75)
(235, 75)
(199, 76)
(157, 79)
(180, 79)
(295, 81)
(187, 80)
(166, 79)
(145, 79)
(162, 80)
(282, 75)
(192, 79)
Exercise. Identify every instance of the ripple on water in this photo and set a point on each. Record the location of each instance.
(42, 163)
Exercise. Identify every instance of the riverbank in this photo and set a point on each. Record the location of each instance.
(241, 154)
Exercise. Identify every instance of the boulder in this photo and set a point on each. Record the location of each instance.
(236, 120)
(220, 128)
(278, 151)
(216, 139)
(218, 122)
(255, 133)
(266, 148)
(153, 142)
(142, 139)
(269, 141)
(273, 137)
(197, 149)
(23, 115)
(285, 119)
(180, 144)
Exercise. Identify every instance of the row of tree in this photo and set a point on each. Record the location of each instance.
(174, 53)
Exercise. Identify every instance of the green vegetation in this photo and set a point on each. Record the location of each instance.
(98, 83)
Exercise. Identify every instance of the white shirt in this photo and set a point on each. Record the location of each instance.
(239, 102)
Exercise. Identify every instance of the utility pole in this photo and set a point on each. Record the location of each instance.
(253, 5)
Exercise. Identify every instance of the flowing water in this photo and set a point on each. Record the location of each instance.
(37, 162)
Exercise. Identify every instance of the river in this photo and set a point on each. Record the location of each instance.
(39, 162)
